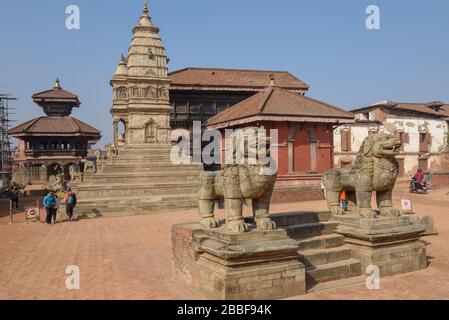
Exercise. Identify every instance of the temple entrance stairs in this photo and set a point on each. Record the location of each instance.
(140, 179)
(327, 259)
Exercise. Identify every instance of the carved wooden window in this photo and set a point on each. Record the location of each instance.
(209, 107)
(195, 107)
(181, 107)
(425, 140)
(43, 145)
(346, 141)
(403, 137)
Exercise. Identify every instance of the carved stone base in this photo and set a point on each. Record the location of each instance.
(390, 243)
(228, 266)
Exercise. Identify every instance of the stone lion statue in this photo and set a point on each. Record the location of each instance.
(111, 151)
(89, 167)
(239, 180)
(375, 169)
(74, 173)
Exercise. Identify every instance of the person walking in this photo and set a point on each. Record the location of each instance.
(49, 204)
(56, 210)
(70, 202)
(14, 197)
(344, 200)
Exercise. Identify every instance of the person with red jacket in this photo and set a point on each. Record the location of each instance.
(417, 179)
(70, 202)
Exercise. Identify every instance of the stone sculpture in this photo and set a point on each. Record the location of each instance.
(56, 183)
(89, 167)
(74, 173)
(375, 169)
(111, 151)
(238, 181)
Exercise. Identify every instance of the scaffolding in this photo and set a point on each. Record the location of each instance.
(5, 144)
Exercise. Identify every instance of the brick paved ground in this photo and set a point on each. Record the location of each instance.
(129, 257)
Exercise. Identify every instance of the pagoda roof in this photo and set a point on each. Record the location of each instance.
(277, 104)
(56, 94)
(55, 126)
(233, 80)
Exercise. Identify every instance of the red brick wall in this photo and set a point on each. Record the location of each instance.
(440, 180)
(183, 254)
(296, 193)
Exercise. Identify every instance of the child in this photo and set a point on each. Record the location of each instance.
(344, 200)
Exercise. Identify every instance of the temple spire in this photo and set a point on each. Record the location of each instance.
(145, 9)
(145, 20)
(122, 68)
(57, 85)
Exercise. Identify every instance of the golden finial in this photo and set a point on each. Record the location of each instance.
(57, 84)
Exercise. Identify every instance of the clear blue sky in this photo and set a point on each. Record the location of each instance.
(323, 42)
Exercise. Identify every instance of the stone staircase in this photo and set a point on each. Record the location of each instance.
(327, 259)
(141, 179)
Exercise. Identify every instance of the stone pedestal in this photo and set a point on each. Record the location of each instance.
(390, 243)
(229, 266)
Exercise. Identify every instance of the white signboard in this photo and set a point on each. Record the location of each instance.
(406, 204)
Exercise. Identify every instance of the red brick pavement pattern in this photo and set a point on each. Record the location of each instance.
(130, 258)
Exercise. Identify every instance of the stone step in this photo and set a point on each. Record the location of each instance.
(135, 177)
(137, 200)
(316, 257)
(137, 204)
(145, 146)
(294, 218)
(121, 190)
(151, 167)
(322, 242)
(333, 271)
(336, 284)
(308, 230)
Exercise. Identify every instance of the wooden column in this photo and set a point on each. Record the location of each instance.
(313, 156)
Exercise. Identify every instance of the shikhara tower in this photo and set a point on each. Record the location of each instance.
(141, 88)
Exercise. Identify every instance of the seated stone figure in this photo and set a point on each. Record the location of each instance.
(239, 181)
(375, 169)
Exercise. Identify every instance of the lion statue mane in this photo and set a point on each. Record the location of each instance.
(375, 169)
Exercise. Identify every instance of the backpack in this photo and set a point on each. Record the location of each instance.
(71, 199)
(49, 201)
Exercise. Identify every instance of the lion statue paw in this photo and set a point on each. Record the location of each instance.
(237, 226)
(390, 212)
(209, 223)
(368, 213)
(265, 224)
(337, 211)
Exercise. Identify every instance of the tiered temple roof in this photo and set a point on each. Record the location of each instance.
(277, 104)
(57, 104)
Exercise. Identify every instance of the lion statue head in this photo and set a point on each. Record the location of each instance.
(377, 145)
